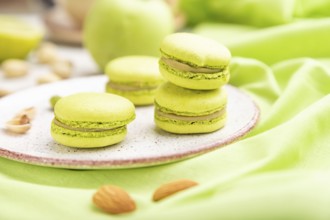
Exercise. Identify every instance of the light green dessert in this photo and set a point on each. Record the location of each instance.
(194, 62)
(17, 38)
(119, 28)
(185, 111)
(135, 78)
(88, 120)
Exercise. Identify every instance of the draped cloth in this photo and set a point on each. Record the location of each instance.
(281, 170)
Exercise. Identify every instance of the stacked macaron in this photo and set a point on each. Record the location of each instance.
(193, 100)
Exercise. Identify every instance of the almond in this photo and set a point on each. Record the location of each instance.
(48, 78)
(62, 68)
(113, 199)
(171, 188)
(47, 53)
(15, 68)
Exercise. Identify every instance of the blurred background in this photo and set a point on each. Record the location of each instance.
(61, 23)
(23, 6)
(61, 31)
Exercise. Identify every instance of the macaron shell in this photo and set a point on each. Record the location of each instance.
(195, 49)
(95, 107)
(142, 97)
(87, 139)
(134, 69)
(180, 127)
(189, 102)
(196, 81)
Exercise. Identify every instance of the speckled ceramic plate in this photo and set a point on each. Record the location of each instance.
(145, 144)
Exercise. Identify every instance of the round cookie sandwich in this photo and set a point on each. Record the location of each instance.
(185, 111)
(135, 78)
(194, 62)
(89, 120)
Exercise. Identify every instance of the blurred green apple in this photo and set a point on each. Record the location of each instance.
(17, 38)
(115, 28)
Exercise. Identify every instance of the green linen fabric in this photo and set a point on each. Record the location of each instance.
(279, 171)
(303, 38)
(261, 13)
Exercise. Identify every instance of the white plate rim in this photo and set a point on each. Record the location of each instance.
(128, 163)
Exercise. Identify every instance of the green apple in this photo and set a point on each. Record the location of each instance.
(17, 38)
(115, 28)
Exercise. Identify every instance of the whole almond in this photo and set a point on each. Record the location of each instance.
(15, 68)
(62, 68)
(113, 199)
(47, 53)
(171, 188)
(48, 78)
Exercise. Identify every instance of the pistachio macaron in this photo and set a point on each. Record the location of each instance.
(186, 111)
(135, 78)
(90, 120)
(194, 62)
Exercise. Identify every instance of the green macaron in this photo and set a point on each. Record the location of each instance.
(194, 62)
(135, 78)
(185, 111)
(88, 120)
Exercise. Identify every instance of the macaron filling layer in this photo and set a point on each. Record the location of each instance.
(188, 67)
(165, 110)
(130, 87)
(91, 124)
(164, 114)
(82, 129)
(212, 116)
(182, 120)
(223, 74)
(172, 60)
(59, 128)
